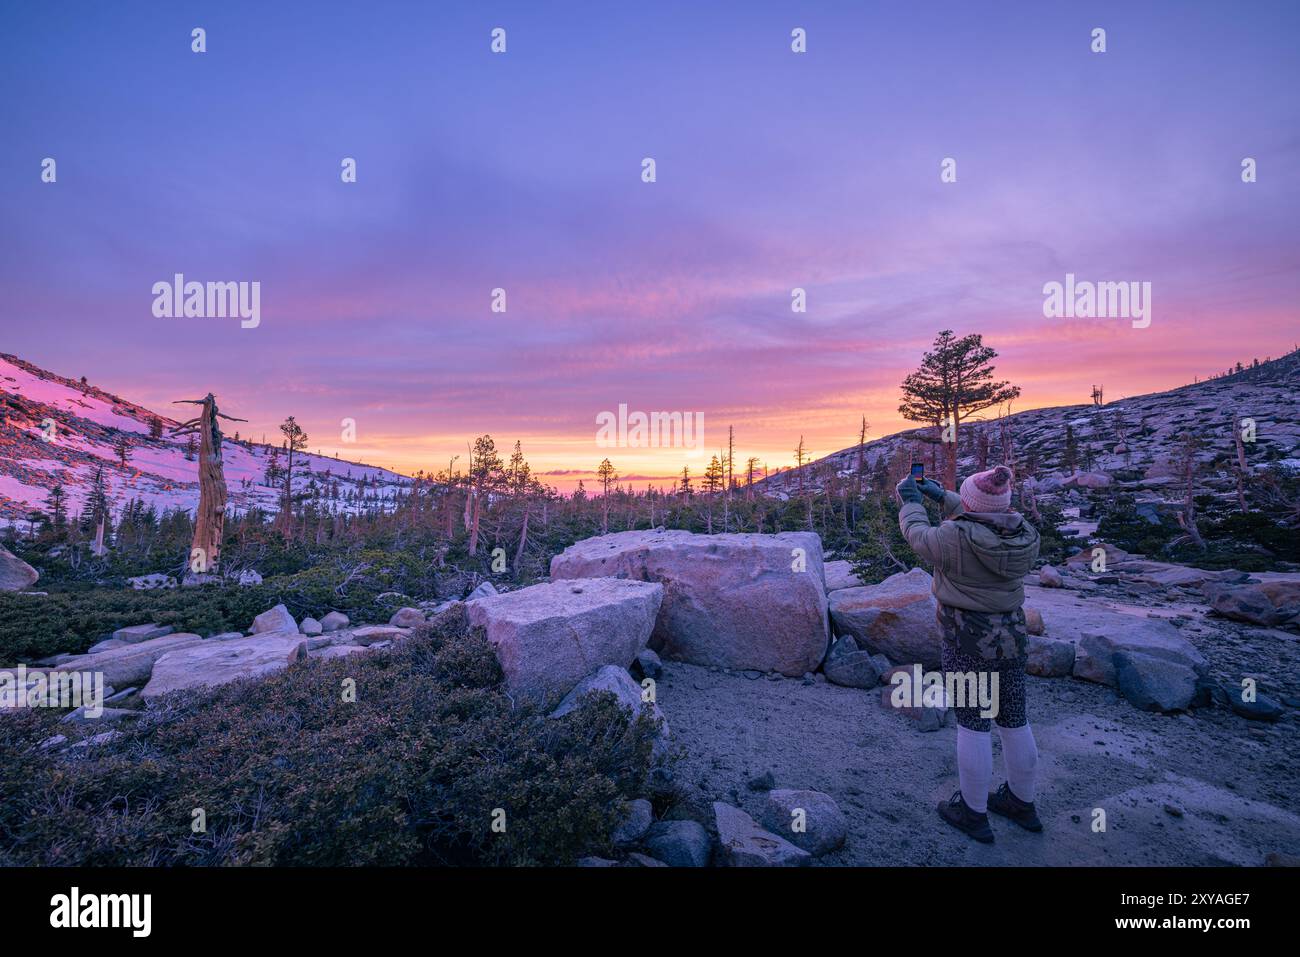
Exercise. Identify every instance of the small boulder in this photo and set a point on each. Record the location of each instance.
(742, 843)
(310, 626)
(138, 633)
(248, 577)
(1269, 603)
(849, 667)
(809, 819)
(485, 589)
(1034, 621)
(636, 822)
(1149, 637)
(1049, 658)
(334, 621)
(649, 663)
(679, 843)
(1049, 577)
(1154, 684)
(274, 619)
(407, 618)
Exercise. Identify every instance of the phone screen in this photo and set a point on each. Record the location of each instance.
(918, 471)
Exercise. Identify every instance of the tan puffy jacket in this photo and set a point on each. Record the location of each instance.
(980, 559)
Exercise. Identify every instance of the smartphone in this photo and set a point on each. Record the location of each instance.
(918, 472)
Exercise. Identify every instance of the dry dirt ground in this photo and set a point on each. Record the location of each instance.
(1192, 789)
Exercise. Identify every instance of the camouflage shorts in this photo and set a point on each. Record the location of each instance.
(992, 636)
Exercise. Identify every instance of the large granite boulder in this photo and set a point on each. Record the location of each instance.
(895, 618)
(15, 574)
(742, 601)
(548, 637)
(217, 663)
(130, 664)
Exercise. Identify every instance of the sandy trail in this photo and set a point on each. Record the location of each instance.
(1204, 788)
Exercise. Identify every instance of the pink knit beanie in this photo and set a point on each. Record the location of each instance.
(987, 491)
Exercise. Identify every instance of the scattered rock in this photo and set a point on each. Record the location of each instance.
(849, 667)
(138, 633)
(737, 601)
(373, 634)
(679, 843)
(742, 843)
(1049, 577)
(106, 715)
(485, 589)
(1034, 621)
(1154, 684)
(635, 824)
(649, 663)
(809, 819)
(762, 782)
(248, 577)
(1263, 708)
(407, 618)
(339, 651)
(1268, 603)
(334, 621)
(310, 626)
(274, 619)
(895, 618)
(611, 679)
(548, 637)
(1049, 658)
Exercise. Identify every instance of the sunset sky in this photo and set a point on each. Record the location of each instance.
(522, 171)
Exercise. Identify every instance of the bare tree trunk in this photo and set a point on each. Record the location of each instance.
(1241, 463)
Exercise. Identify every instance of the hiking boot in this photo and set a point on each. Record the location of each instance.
(957, 813)
(1003, 802)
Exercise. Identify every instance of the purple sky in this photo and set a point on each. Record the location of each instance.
(522, 171)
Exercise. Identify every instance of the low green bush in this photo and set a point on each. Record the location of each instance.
(287, 772)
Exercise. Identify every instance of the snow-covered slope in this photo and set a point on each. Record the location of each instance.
(60, 431)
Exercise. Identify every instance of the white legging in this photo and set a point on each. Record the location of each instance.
(975, 764)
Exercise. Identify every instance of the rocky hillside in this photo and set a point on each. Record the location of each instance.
(59, 431)
(1136, 441)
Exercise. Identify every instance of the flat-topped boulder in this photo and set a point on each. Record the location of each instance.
(217, 663)
(129, 664)
(740, 601)
(548, 637)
